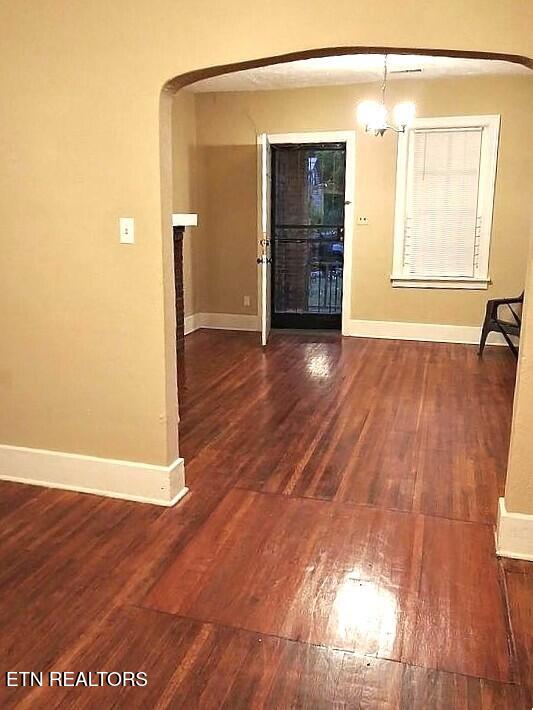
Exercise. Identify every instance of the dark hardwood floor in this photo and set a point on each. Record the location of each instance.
(336, 549)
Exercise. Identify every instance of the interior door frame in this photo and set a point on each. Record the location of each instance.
(347, 137)
(265, 236)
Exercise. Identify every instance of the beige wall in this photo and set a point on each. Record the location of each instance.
(519, 484)
(87, 363)
(227, 126)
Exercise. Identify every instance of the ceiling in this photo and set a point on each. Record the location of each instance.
(352, 69)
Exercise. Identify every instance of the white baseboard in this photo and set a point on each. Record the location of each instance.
(514, 534)
(221, 321)
(191, 323)
(433, 332)
(129, 480)
(390, 330)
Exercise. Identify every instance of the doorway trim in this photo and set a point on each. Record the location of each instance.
(347, 137)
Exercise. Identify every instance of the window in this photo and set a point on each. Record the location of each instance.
(444, 194)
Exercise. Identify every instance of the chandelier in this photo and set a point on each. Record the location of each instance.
(373, 115)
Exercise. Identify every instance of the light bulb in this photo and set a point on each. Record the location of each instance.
(372, 115)
(404, 114)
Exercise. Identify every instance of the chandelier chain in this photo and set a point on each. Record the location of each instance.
(384, 85)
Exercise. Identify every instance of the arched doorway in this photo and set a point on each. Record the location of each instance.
(184, 80)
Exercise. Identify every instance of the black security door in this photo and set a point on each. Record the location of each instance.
(308, 184)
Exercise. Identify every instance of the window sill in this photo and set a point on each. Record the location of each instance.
(472, 284)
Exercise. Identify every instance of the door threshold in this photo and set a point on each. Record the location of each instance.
(328, 332)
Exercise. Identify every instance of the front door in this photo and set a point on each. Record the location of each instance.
(308, 193)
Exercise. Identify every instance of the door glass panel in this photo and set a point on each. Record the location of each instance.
(308, 235)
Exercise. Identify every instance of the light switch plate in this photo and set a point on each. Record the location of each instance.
(127, 230)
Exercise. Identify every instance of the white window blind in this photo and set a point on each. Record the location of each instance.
(442, 222)
(444, 203)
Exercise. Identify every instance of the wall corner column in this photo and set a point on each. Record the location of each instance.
(514, 533)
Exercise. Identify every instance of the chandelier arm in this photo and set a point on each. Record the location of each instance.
(396, 130)
(381, 131)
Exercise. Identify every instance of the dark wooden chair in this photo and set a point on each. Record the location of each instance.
(493, 321)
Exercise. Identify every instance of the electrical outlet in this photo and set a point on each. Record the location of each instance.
(362, 220)
(127, 230)
(246, 300)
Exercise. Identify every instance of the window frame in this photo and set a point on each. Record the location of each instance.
(487, 182)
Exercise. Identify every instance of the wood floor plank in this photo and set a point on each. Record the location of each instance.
(520, 591)
(519, 566)
(404, 425)
(52, 592)
(463, 434)
(379, 684)
(461, 620)
(14, 496)
(396, 585)
(298, 568)
(197, 665)
(330, 481)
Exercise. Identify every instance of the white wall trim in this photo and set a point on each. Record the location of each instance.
(185, 219)
(466, 283)
(347, 137)
(128, 480)
(222, 321)
(514, 534)
(433, 332)
(389, 330)
(229, 321)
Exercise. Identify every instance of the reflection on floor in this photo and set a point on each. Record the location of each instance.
(336, 549)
